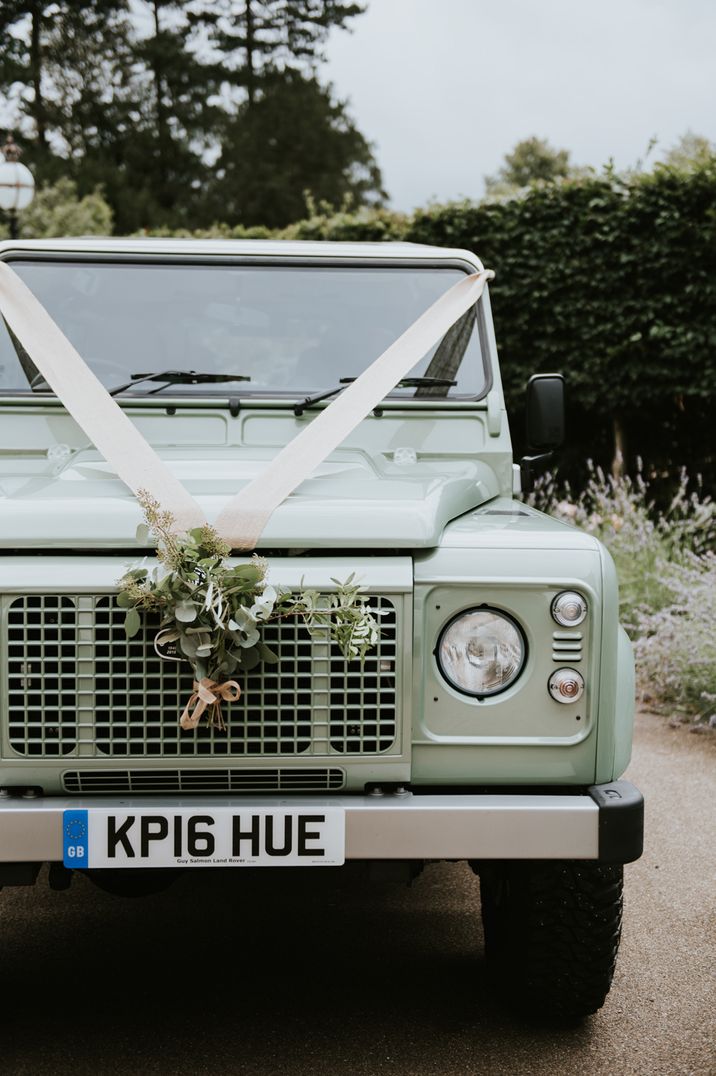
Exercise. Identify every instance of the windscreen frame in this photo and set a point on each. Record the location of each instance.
(218, 393)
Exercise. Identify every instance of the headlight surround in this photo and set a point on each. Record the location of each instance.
(481, 652)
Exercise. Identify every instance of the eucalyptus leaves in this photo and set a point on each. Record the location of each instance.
(214, 611)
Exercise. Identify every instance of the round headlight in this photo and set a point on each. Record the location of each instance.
(481, 652)
(566, 685)
(569, 609)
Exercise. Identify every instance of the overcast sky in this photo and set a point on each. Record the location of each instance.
(444, 88)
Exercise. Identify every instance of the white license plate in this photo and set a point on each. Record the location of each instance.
(204, 837)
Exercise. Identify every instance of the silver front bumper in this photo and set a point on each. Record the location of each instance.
(408, 826)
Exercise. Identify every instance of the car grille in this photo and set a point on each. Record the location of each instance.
(76, 686)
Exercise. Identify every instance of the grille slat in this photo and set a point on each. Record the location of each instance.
(147, 781)
(76, 685)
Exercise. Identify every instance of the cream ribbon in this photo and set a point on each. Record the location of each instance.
(89, 403)
(209, 694)
(243, 519)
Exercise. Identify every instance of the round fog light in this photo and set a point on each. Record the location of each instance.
(569, 609)
(566, 685)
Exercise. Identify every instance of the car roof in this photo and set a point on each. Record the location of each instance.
(242, 248)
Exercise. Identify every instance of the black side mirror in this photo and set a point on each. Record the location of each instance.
(545, 423)
(545, 412)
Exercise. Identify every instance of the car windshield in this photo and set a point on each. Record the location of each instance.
(287, 330)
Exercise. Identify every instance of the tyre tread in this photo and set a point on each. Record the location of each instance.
(552, 932)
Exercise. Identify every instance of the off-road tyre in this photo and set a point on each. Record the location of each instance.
(552, 933)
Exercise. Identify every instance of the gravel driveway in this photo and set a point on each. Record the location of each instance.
(323, 976)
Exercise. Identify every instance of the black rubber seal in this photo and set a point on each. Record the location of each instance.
(621, 821)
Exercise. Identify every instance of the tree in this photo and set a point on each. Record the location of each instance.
(58, 210)
(124, 103)
(295, 138)
(60, 71)
(532, 160)
(29, 63)
(133, 98)
(689, 152)
(170, 89)
(257, 36)
(21, 59)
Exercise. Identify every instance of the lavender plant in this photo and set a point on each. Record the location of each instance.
(666, 564)
(675, 646)
(642, 539)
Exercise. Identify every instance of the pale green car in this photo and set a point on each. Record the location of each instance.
(491, 721)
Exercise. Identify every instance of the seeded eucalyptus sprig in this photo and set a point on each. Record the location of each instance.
(214, 611)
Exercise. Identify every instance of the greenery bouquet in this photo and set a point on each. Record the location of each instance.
(213, 611)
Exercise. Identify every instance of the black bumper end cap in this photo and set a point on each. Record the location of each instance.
(621, 821)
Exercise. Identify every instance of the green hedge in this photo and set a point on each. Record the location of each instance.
(611, 281)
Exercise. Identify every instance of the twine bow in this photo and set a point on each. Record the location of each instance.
(209, 694)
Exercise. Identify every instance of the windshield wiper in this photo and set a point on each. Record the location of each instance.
(177, 377)
(404, 383)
